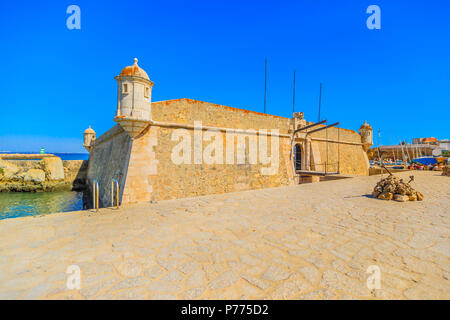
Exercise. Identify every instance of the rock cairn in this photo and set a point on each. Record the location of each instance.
(446, 171)
(394, 188)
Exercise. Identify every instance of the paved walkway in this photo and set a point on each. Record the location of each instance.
(311, 241)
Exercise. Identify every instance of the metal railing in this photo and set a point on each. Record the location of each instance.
(114, 181)
(95, 194)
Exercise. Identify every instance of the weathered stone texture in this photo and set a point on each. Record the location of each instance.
(54, 168)
(47, 173)
(146, 171)
(33, 175)
(109, 159)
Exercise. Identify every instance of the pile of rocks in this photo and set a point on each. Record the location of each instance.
(446, 171)
(394, 188)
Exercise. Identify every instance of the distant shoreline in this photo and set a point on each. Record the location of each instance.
(62, 155)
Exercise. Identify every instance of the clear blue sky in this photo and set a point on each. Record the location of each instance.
(55, 82)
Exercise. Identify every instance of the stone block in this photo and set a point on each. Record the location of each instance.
(419, 196)
(401, 197)
(34, 175)
(386, 196)
(54, 168)
(9, 170)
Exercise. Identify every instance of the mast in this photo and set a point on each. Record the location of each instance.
(293, 96)
(403, 153)
(320, 100)
(409, 155)
(265, 85)
(394, 151)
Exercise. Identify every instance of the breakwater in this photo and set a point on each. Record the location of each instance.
(37, 172)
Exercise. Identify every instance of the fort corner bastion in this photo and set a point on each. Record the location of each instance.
(183, 148)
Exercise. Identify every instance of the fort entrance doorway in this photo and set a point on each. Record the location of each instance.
(298, 157)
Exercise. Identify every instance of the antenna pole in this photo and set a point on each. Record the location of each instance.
(265, 85)
(320, 99)
(293, 97)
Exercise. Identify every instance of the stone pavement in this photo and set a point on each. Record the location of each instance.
(312, 241)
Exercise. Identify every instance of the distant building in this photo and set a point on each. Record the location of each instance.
(443, 148)
(425, 140)
(403, 152)
(444, 144)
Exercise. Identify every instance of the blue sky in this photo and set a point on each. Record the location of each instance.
(58, 81)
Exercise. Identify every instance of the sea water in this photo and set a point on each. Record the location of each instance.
(22, 204)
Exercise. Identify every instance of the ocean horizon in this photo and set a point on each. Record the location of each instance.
(62, 155)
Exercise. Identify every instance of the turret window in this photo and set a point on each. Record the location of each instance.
(146, 92)
(125, 88)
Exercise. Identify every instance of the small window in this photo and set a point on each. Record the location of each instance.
(147, 92)
(125, 88)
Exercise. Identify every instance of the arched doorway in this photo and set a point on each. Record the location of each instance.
(297, 157)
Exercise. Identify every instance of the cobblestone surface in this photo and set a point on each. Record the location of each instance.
(311, 241)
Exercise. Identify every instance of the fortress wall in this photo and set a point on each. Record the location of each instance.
(143, 168)
(186, 111)
(109, 159)
(353, 159)
(153, 175)
(333, 134)
(171, 180)
(147, 171)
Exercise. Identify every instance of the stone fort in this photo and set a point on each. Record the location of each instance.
(184, 148)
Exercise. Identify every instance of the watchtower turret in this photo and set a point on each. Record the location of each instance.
(134, 95)
(89, 138)
(366, 136)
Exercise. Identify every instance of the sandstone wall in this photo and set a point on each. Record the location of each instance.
(347, 156)
(353, 159)
(186, 111)
(153, 175)
(75, 173)
(109, 159)
(147, 171)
